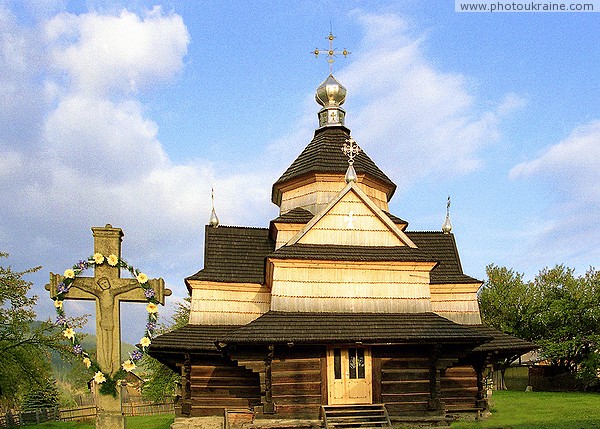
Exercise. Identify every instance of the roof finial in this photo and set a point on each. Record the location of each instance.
(447, 225)
(331, 52)
(351, 149)
(214, 220)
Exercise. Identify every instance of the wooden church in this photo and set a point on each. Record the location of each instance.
(335, 312)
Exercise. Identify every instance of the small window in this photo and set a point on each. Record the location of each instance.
(352, 362)
(337, 363)
(360, 358)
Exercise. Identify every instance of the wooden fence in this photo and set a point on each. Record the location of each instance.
(12, 419)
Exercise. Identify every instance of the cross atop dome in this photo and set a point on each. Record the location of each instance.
(331, 52)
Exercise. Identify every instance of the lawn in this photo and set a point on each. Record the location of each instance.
(539, 410)
(159, 421)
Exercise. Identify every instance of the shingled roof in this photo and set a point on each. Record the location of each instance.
(234, 254)
(502, 343)
(297, 215)
(324, 155)
(442, 248)
(352, 253)
(326, 328)
(191, 338)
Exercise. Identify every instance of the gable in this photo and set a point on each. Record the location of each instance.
(352, 219)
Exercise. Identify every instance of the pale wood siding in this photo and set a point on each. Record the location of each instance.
(405, 384)
(459, 388)
(227, 303)
(338, 287)
(351, 222)
(285, 231)
(313, 196)
(218, 385)
(456, 302)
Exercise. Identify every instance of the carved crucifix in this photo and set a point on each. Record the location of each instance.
(108, 289)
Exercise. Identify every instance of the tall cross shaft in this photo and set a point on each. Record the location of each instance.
(108, 289)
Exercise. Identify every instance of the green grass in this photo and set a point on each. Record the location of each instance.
(159, 421)
(539, 410)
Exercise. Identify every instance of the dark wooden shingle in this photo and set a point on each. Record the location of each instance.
(324, 155)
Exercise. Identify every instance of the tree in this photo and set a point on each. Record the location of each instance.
(161, 379)
(43, 396)
(558, 311)
(506, 303)
(24, 345)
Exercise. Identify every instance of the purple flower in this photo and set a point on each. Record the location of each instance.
(62, 288)
(61, 320)
(83, 265)
(151, 326)
(136, 355)
(149, 293)
(77, 349)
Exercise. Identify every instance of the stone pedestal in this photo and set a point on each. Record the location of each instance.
(110, 420)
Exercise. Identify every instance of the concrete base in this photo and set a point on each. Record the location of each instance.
(106, 420)
(208, 422)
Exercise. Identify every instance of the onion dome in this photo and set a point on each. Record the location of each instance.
(447, 225)
(213, 221)
(331, 95)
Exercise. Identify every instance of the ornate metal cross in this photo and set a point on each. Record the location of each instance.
(331, 53)
(351, 149)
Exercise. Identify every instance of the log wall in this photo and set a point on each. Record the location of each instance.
(404, 376)
(299, 382)
(221, 385)
(459, 388)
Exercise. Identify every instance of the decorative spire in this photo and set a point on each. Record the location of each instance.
(331, 94)
(447, 225)
(214, 220)
(351, 149)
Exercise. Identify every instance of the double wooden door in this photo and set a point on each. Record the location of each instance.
(349, 379)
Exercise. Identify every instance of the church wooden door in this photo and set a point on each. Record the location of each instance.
(349, 377)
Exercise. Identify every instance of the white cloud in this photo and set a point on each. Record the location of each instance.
(424, 120)
(569, 169)
(101, 53)
(571, 165)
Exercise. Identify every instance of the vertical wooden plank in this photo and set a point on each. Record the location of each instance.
(376, 362)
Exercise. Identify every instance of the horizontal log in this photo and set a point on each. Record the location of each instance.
(216, 382)
(236, 392)
(405, 374)
(218, 371)
(307, 411)
(296, 377)
(223, 402)
(449, 383)
(404, 397)
(296, 365)
(296, 389)
(297, 399)
(399, 387)
(406, 363)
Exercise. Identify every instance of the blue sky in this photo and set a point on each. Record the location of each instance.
(128, 112)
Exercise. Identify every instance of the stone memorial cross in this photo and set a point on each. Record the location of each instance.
(108, 289)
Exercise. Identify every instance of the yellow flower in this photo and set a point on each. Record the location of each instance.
(152, 308)
(99, 377)
(70, 274)
(58, 303)
(69, 333)
(87, 362)
(128, 365)
(145, 342)
(98, 258)
(112, 260)
(142, 278)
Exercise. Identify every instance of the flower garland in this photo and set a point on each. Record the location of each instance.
(107, 382)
